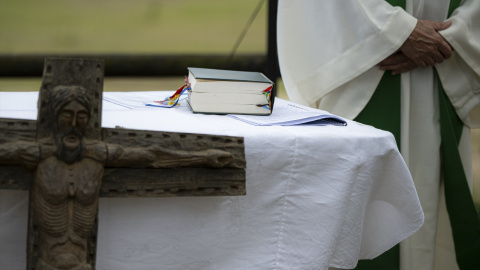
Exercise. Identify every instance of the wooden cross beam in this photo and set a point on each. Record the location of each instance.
(66, 161)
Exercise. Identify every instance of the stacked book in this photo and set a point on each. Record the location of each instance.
(230, 92)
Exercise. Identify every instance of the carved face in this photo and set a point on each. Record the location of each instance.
(71, 120)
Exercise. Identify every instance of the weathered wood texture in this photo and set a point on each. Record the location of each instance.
(122, 182)
(69, 161)
(17, 130)
(178, 141)
(172, 182)
(16, 176)
(229, 180)
(85, 73)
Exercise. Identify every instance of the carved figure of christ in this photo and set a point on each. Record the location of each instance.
(71, 166)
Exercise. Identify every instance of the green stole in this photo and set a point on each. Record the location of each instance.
(383, 112)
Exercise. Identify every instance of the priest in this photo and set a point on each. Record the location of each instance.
(411, 67)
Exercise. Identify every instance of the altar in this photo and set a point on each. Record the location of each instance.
(317, 197)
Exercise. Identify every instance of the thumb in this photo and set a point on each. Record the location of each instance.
(439, 26)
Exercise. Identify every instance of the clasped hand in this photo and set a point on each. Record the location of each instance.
(424, 47)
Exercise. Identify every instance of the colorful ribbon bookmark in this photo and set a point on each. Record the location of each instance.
(267, 92)
(172, 101)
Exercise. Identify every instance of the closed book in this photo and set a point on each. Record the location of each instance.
(230, 92)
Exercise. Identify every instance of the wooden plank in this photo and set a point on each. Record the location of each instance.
(179, 141)
(175, 182)
(12, 130)
(15, 177)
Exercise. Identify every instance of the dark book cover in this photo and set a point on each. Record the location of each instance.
(228, 75)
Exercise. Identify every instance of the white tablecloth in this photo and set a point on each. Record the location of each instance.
(317, 196)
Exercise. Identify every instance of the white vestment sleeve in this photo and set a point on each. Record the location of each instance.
(460, 75)
(360, 34)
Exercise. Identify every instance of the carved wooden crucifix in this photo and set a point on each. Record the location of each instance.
(67, 161)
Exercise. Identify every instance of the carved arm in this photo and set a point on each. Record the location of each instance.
(21, 153)
(158, 157)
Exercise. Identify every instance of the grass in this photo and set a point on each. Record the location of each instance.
(123, 26)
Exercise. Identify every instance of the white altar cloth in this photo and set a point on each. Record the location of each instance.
(317, 196)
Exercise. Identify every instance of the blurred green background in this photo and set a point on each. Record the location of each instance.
(138, 27)
(127, 26)
(130, 27)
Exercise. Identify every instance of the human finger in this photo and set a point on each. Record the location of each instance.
(392, 59)
(439, 26)
(443, 46)
(401, 67)
(398, 63)
(445, 49)
(404, 68)
(437, 57)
